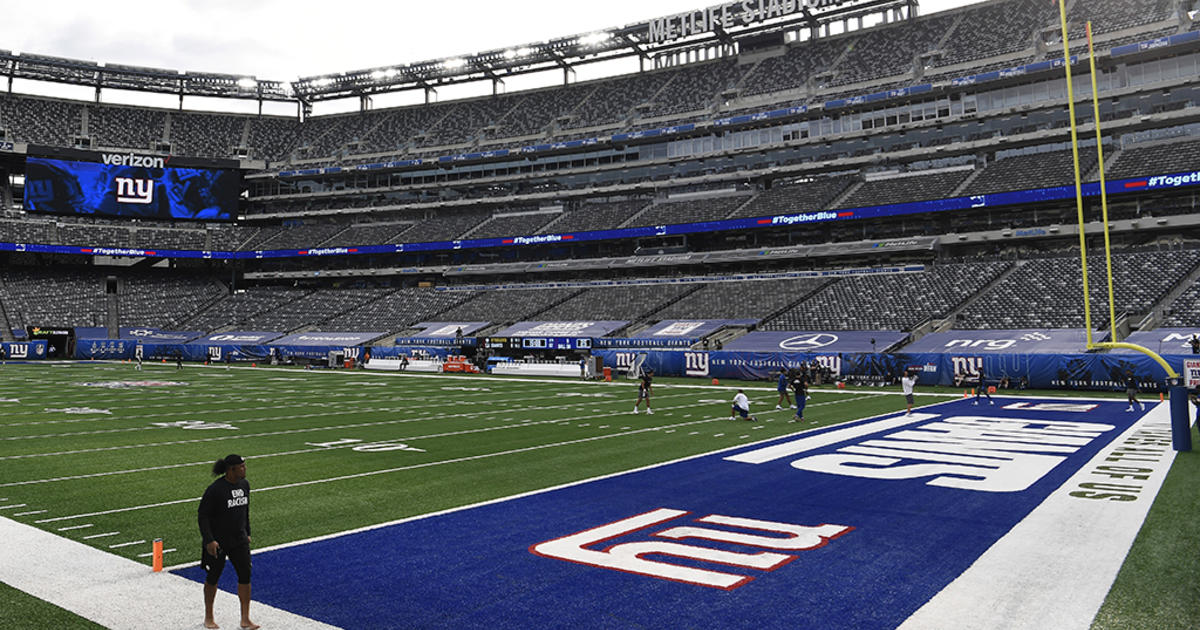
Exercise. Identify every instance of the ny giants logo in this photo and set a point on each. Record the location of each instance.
(628, 557)
(134, 190)
(695, 363)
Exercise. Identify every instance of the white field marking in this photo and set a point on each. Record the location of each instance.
(384, 471)
(104, 535)
(1059, 562)
(749, 446)
(9, 507)
(127, 544)
(128, 596)
(64, 529)
(151, 553)
(287, 432)
(28, 513)
(718, 435)
(355, 411)
(795, 447)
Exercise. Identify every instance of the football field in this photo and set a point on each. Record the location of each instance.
(113, 459)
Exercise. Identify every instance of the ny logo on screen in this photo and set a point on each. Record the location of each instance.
(134, 190)
(650, 558)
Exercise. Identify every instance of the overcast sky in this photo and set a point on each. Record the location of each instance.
(285, 39)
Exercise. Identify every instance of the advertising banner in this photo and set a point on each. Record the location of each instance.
(823, 342)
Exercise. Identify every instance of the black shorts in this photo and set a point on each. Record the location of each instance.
(239, 556)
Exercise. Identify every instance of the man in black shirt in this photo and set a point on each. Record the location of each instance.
(224, 518)
(644, 391)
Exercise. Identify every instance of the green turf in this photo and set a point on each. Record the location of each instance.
(371, 448)
(20, 610)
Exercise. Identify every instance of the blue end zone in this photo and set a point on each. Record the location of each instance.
(888, 545)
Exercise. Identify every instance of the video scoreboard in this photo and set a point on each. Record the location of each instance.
(130, 185)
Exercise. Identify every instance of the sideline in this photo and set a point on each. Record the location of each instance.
(115, 592)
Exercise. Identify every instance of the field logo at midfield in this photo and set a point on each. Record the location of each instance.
(980, 453)
(627, 557)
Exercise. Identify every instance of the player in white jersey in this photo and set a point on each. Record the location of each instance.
(741, 406)
(907, 383)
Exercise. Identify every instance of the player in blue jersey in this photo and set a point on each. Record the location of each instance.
(782, 387)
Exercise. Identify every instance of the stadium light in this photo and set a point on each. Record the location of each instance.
(322, 82)
(247, 83)
(454, 64)
(592, 39)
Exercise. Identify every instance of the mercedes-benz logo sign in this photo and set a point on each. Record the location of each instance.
(804, 343)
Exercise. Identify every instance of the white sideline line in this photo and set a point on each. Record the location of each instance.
(117, 592)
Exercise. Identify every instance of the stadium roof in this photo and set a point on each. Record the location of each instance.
(720, 25)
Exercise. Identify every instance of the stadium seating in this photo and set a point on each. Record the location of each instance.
(397, 310)
(164, 299)
(758, 299)
(905, 187)
(690, 211)
(1155, 159)
(1038, 170)
(800, 196)
(504, 224)
(596, 215)
(239, 309)
(894, 302)
(1046, 292)
(623, 303)
(506, 306)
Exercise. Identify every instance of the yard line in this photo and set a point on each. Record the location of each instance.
(151, 553)
(31, 512)
(273, 433)
(63, 529)
(104, 535)
(385, 471)
(209, 413)
(127, 544)
(9, 507)
(318, 449)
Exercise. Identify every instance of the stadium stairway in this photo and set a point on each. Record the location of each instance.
(1158, 311)
(966, 183)
(847, 193)
(952, 317)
